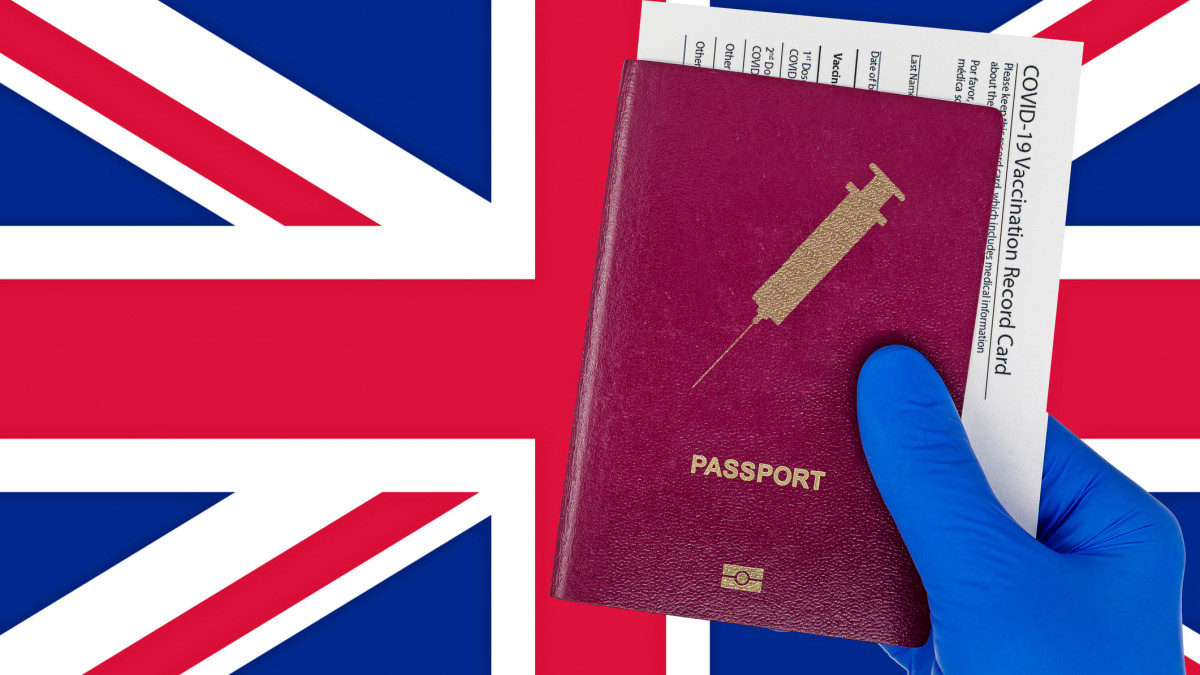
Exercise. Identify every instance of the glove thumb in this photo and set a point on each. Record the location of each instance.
(927, 473)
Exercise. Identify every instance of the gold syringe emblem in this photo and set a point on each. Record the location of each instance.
(844, 227)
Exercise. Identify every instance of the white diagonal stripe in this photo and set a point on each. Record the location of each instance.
(432, 228)
(168, 577)
(1117, 89)
(254, 103)
(139, 152)
(344, 589)
(1138, 76)
(1191, 644)
(1040, 17)
(282, 498)
(1132, 79)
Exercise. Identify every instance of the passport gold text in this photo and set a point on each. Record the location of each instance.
(757, 472)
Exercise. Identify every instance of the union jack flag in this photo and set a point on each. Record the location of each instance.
(429, 359)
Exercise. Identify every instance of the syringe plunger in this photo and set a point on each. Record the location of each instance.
(828, 244)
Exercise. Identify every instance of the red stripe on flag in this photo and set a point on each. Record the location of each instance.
(1101, 24)
(1191, 667)
(167, 124)
(285, 580)
(1124, 365)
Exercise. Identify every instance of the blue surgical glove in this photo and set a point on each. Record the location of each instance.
(1098, 591)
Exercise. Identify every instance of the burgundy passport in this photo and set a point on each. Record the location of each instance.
(806, 225)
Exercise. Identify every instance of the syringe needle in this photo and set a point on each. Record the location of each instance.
(739, 339)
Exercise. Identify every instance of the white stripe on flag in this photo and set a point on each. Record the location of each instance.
(1137, 76)
(687, 646)
(1131, 252)
(347, 587)
(433, 228)
(1040, 17)
(167, 578)
(1132, 79)
(1158, 464)
(282, 497)
(1191, 644)
(261, 107)
(1117, 89)
(126, 144)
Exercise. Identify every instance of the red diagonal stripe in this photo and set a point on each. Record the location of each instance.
(166, 124)
(280, 583)
(1101, 24)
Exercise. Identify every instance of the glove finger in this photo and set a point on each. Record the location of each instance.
(927, 473)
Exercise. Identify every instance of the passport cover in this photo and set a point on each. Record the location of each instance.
(817, 223)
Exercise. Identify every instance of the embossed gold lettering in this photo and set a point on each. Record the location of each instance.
(731, 468)
(787, 475)
(764, 469)
(755, 472)
(714, 466)
(747, 471)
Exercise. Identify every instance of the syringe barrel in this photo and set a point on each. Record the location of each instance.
(828, 244)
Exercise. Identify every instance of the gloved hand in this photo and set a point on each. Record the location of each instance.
(1098, 591)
